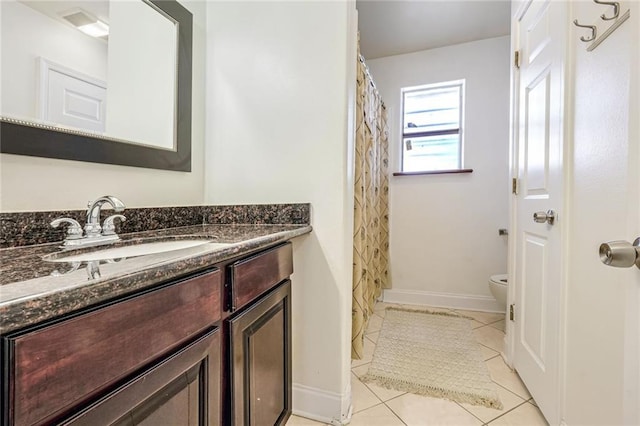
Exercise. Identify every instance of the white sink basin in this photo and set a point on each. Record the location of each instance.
(130, 250)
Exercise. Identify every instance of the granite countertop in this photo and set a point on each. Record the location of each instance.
(33, 290)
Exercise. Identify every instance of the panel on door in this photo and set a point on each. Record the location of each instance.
(536, 137)
(71, 99)
(260, 345)
(533, 288)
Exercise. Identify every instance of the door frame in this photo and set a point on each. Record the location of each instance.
(519, 8)
(632, 326)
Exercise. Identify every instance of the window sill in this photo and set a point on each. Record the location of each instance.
(434, 172)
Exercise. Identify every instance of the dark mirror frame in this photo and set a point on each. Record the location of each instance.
(39, 141)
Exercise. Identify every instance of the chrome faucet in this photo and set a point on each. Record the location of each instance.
(92, 228)
(94, 234)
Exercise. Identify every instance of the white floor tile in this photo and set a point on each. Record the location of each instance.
(420, 411)
(490, 337)
(504, 376)
(380, 415)
(361, 370)
(500, 325)
(361, 396)
(301, 421)
(487, 353)
(381, 307)
(373, 336)
(509, 401)
(367, 355)
(383, 393)
(524, 415)
(483, 317)
(477, 324)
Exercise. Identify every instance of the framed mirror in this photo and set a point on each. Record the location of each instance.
(133, 110)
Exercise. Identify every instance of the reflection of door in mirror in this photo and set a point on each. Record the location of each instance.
(68, 98)
(137, 60)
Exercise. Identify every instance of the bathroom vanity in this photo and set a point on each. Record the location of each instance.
(201, 337)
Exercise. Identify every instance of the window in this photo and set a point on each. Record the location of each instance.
(432, 127)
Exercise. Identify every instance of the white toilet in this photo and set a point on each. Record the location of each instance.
(498, 287)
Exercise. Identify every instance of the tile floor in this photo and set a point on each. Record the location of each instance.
(374, 405)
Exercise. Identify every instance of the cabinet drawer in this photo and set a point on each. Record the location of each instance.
(60, 366)
(254, 275)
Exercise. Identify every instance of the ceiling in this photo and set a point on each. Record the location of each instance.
(394, 27)
(57, 9)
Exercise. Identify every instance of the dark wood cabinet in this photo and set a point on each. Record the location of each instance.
(56, 370)
(259, 339)
(260, 353)
(213, 348)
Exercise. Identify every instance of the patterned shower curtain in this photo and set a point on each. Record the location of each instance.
(371, 224)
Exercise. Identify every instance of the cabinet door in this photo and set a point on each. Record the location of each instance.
(183, 389)
(260, 346)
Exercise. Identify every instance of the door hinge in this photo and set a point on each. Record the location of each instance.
(514, 186)
(511, 312)
(516, 59)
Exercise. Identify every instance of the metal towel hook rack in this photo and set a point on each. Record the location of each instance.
(616, 9)
(594, 31)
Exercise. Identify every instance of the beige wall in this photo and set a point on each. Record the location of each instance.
(36, 184)
(279, 75)
(444, 228)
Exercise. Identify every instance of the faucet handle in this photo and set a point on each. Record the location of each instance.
(109, 227)
(74, 230)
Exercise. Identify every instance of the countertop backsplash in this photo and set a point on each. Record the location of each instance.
(31, 228)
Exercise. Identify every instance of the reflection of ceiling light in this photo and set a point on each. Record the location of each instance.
(86, 23)
(97, 29)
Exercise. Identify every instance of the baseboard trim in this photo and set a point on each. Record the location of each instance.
(445, 300)
(321, 405)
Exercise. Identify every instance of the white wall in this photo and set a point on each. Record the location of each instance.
(28, 35)
(444, 238)
(38, 184)
(278, 78)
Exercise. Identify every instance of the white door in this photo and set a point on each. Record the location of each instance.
(577, 325)
(538, 244)
(602, 323)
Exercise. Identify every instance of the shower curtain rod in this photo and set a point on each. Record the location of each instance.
(373, 84)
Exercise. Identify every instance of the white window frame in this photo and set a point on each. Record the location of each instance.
(460, 130)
